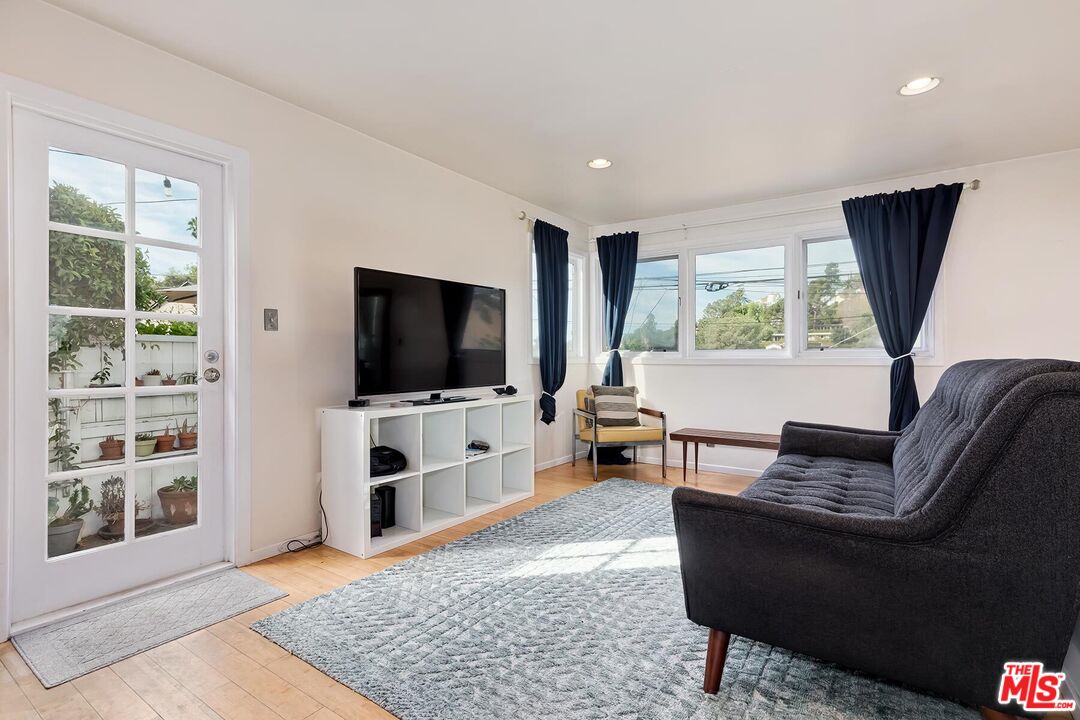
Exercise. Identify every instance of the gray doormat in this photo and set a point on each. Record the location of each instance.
(572, 610)
(67, 649)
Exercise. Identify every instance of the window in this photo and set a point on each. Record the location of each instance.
(574, 340)
(739, 299)
(838, 314)
(652, 321)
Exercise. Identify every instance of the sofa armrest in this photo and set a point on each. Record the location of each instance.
(835, 441)
(651, 412)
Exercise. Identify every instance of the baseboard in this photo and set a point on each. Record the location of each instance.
(558, 461)
(276, 549)
(707, 467)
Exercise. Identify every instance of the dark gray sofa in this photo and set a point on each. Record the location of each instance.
(929, 557)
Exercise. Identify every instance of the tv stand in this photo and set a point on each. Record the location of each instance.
(442, 485)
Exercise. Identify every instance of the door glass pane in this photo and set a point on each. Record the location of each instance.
(171, 421)
(85, 513)
(166, 280)
(838, 314)
(740, 299)
(86, 191)
(85, 432)
(166, 353)
(86, 352)
(169, 495)
(85, 271)
(166, 207)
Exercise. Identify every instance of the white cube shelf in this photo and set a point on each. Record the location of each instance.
(439, 487)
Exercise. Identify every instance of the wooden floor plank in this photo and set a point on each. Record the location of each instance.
(343, 701)
(286, 700)
(164, 693)
(111, 697)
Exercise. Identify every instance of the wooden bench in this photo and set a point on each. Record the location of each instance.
(763, 441)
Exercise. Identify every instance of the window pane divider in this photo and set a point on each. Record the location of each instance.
(87, 312)
(88, 231)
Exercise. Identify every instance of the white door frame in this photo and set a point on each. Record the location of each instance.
(236, 170)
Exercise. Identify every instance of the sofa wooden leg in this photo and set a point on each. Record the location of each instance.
(990, 714)
(714, 659)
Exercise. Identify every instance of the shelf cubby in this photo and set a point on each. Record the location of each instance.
(517, 424)
(444, 495)
(483, 486)
(401, 432)
(407, 514)
(443, 439)
(484, 423)
(517, 475)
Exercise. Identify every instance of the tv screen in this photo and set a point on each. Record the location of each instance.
(415, 333)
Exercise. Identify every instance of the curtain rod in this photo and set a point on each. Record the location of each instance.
(970, 185)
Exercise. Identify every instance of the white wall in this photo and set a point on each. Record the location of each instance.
(1007, 290)
(323, 199)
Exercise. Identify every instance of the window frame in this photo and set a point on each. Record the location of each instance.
(575, 351)
(659, 252)
(794, 238)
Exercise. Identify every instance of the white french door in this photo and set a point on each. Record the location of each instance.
(118, 326)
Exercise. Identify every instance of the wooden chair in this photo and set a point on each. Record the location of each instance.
(585, 429)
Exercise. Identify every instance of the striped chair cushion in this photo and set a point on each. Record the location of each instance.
(615, 406)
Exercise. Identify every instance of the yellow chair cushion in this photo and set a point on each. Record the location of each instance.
(635, 433)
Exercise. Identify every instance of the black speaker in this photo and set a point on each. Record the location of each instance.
(376, 513)
(385, 493)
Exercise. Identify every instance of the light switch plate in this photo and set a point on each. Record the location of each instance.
(270, 319)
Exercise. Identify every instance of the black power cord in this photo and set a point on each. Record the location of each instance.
(295, 546)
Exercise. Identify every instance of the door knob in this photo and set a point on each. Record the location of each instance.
(211, 375)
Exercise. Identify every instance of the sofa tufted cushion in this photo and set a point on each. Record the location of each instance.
(834, 484)
(966, 395)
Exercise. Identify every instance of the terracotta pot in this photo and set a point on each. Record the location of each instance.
(179, 507)
(167, 381)
(188, 440)
(64, 538)
(116, 527)
(138, 382)
(111, 450)
(165, 443)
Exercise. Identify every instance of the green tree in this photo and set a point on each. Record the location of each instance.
(649, 336)
(735, 322)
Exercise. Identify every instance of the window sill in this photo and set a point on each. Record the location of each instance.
(802, 360)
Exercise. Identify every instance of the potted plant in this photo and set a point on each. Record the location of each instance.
(152, 378)
(111, 508)
(111, 448)
(188, 438)
(145, 443)
(168, 380)
(65, 527)
(186, 378)
(165, 441)
(180, 500)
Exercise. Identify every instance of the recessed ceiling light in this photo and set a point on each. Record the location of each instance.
(920, 85)
(599, 164)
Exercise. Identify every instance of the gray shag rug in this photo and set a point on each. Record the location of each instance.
(572, 610)
(70, 648)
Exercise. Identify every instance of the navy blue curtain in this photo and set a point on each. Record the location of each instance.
(618, 266)
(552, 285)
(899, 241)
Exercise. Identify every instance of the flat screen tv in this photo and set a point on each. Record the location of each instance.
(417, 333)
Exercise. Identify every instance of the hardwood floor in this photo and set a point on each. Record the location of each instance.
(228, 671)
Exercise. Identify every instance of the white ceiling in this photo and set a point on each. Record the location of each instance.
(698, 103)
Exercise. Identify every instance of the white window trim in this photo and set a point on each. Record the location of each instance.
(793, 238)
(576, 352)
